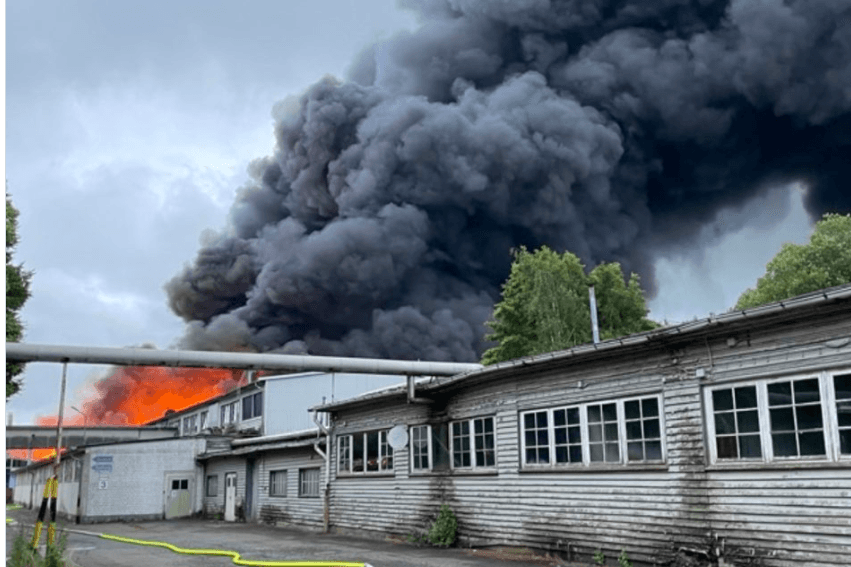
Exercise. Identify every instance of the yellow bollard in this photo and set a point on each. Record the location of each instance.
(48, 491)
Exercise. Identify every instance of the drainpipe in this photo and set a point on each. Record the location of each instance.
(326, 517)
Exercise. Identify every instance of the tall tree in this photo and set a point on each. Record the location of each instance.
(825, 261)
(17, 292)
(544, 305)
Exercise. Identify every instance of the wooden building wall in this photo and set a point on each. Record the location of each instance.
(215, 505)
(291, 509)
(789, 513)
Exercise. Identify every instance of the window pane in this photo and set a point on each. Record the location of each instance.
(722, 400)
(632, 409)
(357, 453)
(593, 414)
(596, 452)
(724, 423)
(573, 435)
(635, 451)
(595, 433)
(544, 455)
(812, 443)
(529, 421)
(653, 450)
(845, 442)
(175, 485)
(806, 391)
(726, 447)
(650, 407)
(612, 452)
(748, 421)
(559, 417)
(561, 436)
(530, 438)
(843, 413)
(541, 418)
(809, 417)
(749, 447)
(561, 454)
(543, 437)
(651, 428)
(247, 407)
(610, 412)
(746, 397)
(782, 420)
(372, 451)
(780, 394)
(842, 385)
(611, 431)
(633, 430)
(576, 453)
(784, 445)
(573, 416)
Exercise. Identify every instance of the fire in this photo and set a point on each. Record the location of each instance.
(135, 395)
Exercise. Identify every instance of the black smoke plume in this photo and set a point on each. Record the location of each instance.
(382, 224)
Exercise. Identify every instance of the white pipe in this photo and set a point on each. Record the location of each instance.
(214, 359)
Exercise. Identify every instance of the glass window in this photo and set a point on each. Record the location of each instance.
(643, 434)
(736, 423)
(308, 486)
(797, 428)
(484, 442)
(278, 483)
(536, 436)
(212, 485)
(344, 456)
(603, 443)
(567, 435)
(842, 389)
(461, 444)
(420, 448)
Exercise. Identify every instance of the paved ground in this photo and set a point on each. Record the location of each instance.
(254, 542)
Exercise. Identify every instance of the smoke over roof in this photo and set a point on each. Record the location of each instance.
(382, 224)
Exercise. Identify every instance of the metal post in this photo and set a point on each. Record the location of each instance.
(594, 328)
(61, 413)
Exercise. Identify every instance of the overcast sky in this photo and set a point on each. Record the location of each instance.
(129, 127)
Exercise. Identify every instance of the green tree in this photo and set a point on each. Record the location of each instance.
(17, 292)
(825, 261)
(544, 305)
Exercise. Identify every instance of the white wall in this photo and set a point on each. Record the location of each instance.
(287, 398)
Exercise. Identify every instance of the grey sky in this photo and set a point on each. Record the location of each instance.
(129, 127)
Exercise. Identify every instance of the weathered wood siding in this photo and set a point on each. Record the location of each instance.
(215, 505)
(292, 509)
(795, 516)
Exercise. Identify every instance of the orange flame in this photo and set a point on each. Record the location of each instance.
(135, 395)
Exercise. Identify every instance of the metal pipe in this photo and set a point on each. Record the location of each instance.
(61, 414)
(595, 330)
(213, 359)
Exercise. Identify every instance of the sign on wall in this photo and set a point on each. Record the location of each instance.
(102, 464)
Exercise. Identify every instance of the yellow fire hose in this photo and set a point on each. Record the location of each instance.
(237, 560)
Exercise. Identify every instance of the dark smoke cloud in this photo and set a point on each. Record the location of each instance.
(381, 225)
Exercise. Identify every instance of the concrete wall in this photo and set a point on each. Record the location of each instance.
(129, 480)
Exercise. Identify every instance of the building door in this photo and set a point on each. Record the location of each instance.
(178, 501)
(230, 497)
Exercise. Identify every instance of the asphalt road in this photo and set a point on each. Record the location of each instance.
(252, 541)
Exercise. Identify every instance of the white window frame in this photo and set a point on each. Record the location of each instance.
(203, 419)
(428, 454)
(273, 475)
(623, 453)
(829, 416)
(471, 433)
(306, 486)
(384, 452)
(229, 412)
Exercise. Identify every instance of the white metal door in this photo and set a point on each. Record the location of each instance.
(230, 497)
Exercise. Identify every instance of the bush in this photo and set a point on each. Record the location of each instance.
(23, 555)
(442, 531)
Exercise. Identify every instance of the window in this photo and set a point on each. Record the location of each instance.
(776, 420)
(308, 483)
(420, 448)
(252, 406)
(614, 432)
(364, 452)
(212, 485)
(278, 483)
(842, 389)
(228, 413)
(473, 443)
(203, 420)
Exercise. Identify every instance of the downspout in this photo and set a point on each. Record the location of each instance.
(326, 516)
